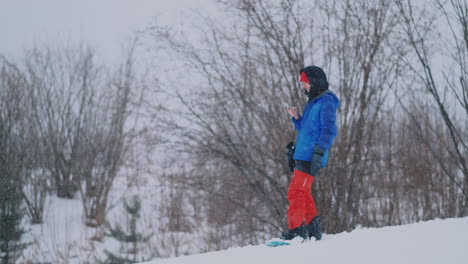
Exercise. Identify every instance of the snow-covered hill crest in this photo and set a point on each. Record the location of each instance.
(437, 241)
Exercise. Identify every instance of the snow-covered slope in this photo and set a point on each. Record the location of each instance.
(437, 241)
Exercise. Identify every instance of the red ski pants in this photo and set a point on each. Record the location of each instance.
(301, 203)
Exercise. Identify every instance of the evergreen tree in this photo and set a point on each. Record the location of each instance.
(129, 241)
(11, 213)
(10, 221)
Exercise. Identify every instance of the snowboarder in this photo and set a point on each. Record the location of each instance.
(316, 132)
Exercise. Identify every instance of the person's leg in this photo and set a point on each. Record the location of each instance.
(301, 204)
(311, 210)
(315, 228)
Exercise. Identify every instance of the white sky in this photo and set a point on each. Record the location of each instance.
(104, 24)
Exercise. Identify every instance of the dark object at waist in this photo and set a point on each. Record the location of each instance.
(303, 166)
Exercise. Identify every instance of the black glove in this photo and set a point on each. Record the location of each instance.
(289, 155)
(316, 162)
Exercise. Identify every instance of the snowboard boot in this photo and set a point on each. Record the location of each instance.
(315, 228)
(301, 231)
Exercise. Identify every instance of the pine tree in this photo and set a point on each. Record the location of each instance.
(132, 238)
(11, 213)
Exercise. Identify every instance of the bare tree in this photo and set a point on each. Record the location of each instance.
(239, 121)
(33, 179)
(56, 80)
(363, 69)
(449, 94)
(104, 142)
(36, 180)
(80, 114)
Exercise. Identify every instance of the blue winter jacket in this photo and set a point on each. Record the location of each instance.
(317, 126)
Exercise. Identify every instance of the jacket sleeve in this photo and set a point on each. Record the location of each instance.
(297, 122)
(327, 123)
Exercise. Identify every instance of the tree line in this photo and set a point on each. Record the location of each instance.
(400, 155)
(64, 129)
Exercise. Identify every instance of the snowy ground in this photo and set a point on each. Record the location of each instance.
(63, 237)
(437, 241)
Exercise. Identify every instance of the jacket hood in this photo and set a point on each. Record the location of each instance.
(317, 78)
(332, 95)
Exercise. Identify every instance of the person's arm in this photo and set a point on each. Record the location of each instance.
(297, 122)
(327, 134)
(327, 123)
(296, 118)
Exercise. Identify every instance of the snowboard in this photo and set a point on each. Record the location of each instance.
(277, 243)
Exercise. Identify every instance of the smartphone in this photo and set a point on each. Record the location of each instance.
(287, 105)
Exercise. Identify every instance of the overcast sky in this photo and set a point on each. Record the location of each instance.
(105, 24)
